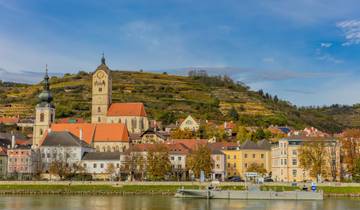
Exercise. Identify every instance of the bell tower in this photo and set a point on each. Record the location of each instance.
(101, 92)
(44, 112)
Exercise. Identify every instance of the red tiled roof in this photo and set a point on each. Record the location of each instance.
(103, 132)
(126, 109)
(111, 133)
(190, 143)
(7, 120)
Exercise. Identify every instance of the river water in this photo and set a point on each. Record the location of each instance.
(165, 202)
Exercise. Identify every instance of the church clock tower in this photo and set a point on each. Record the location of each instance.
(44, 112)
(101, 93)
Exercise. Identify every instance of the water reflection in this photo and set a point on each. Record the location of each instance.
(163, 202)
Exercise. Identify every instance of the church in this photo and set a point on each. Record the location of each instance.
(110, 124)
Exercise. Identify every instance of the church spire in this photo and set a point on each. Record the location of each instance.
(103, 59)
(45, 96)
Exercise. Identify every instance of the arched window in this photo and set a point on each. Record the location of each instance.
(108, 149)
(117, 149)
(97, 148)
(133, 123)
(99, 109)
(42, 117)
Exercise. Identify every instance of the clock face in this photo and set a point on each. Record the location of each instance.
(100, 74)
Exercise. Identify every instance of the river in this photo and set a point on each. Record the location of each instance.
(165, 202)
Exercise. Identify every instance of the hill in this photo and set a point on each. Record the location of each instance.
(169, 97)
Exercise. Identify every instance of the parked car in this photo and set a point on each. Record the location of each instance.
(234, 179)
(268, 179)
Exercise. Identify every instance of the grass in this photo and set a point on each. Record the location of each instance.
(341, 190)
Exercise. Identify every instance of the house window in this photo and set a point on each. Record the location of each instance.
(172, 158)
(229, 165)
(84, 165)
(101, 165)
(262, 155)
(254, 155)
(117, 165)
(41, 131)
(234, 157)
(99, 109)
(285, 162)
(294, 161)
(245, 155)
(99, 119)
(245, 165)
(100, 89)
(228, 156)
(179, 158)
(294, 152)
(294, 172)
(42, 117)
(234, 165)
(282, 162)
(179, 166)
(94, 166)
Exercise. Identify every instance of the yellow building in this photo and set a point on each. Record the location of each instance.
(189, 124)
(286, 163)
(240, 158)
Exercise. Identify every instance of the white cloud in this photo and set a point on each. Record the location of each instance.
(351, 30)
(326, 45)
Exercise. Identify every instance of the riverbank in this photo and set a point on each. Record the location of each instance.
(144, 188)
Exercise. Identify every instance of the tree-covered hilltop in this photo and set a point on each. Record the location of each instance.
(170, 97)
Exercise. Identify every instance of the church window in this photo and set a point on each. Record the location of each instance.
(42, 117)
(133, 123)
(99, 109)
(97, 148)
(108, 149)
(141, 123)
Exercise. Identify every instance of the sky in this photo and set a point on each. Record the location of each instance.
(304, 51)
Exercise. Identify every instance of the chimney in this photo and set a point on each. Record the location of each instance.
(81, 134)
(13, 141)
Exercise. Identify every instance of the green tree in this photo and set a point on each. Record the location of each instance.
(199, 160)
(167, 118)
(242, 134)
(233, 114)
(158, 163)
(356, 171)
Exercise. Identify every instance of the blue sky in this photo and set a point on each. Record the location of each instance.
(305, 51)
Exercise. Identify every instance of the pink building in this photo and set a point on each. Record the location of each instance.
(22, 160)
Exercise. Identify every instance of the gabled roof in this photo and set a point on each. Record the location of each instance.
(101, 156)
(248, 144)
(63, 138)
(116, 132)
(102, 132)
(189, 143)
(264, 144)
(88, 129)
(161, 134)
(178, 149)
(127, 109)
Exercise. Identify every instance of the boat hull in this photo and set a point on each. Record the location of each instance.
(250, 195)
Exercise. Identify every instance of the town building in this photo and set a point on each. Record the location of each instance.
(240, 158)
(152, 136)
(23, 161)
(62, 147)
(103, 137)
(3, 162)
(102, 165)
(103, 110)
(286, 162)
(189, 124)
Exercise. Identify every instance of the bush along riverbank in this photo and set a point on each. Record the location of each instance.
(77, 189)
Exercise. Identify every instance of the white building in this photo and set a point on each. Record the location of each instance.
(102, 165)
(63, 147)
